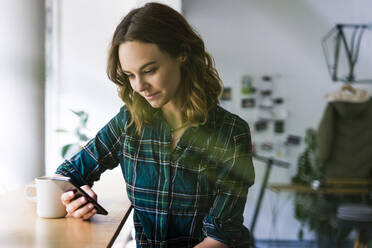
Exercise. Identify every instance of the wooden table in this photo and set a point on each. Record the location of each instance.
(21, 227)
(332, 186)
(308, 189)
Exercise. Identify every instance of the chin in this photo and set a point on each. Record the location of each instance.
(156, 105)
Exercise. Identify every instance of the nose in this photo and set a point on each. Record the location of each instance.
(139, 84)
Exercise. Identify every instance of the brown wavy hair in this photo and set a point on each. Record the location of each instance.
(159, 24)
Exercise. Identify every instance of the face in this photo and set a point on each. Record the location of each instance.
(153, 74)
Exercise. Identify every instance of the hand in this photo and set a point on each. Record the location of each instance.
(210, 243)
(77, 208)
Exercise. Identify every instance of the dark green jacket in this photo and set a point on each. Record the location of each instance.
(345, 140)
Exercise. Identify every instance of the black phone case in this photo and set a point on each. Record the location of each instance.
(67, 184)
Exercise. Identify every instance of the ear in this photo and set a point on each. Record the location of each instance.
(182, 58)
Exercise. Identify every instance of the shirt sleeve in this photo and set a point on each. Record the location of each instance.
(99, 154)
(235, 175)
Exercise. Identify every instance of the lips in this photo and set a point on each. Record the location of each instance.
(151, 96)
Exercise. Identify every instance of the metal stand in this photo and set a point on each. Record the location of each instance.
(269, 164)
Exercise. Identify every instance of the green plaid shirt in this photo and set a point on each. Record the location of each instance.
(180, 197)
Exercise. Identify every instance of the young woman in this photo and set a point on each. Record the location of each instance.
(186, 161)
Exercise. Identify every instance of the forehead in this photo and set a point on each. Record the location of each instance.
(134, 54)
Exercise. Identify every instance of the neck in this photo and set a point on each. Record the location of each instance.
(174, 119)
(173, 116)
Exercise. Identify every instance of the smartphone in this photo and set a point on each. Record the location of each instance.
(67, 184)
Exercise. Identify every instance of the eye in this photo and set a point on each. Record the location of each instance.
(130, 76)
(149, 71)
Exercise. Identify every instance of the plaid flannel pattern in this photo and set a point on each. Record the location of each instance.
(180, 197)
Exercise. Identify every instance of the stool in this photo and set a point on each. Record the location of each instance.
(354, 216)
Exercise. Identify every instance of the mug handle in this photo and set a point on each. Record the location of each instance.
(27, 192)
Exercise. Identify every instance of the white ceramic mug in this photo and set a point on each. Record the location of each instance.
(47, 197)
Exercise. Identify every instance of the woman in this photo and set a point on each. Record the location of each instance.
(186, 161)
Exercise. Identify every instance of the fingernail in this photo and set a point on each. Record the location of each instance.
(83, 199)
(71, 193)
(90, 205)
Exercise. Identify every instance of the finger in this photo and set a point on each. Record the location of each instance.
(79, 213)
(67, 197)
(89, 191)
(90, 214)
(75, 204)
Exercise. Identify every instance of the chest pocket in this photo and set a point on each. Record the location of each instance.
(140, 163)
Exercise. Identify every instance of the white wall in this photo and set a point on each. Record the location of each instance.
(21, 91)
(279, 38)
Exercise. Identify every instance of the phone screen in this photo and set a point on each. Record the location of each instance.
(66, 184)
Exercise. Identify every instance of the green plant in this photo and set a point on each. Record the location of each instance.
(80, 132)
(308, 171)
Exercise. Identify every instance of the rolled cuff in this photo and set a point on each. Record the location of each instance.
(68, 170)
(230, 232)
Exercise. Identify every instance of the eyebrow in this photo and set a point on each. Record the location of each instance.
(143, 66)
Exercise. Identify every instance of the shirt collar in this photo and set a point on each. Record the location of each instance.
(211, 122)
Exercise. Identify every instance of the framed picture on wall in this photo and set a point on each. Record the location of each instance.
(248, 102)
(247, 85)
(226, 94)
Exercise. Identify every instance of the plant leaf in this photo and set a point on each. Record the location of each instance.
(83, 137)
(78, 113)
(301, 234)
(84, 120)
(65, 149)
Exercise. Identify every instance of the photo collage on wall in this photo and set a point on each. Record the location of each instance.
(265, 112)
(270, 115)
